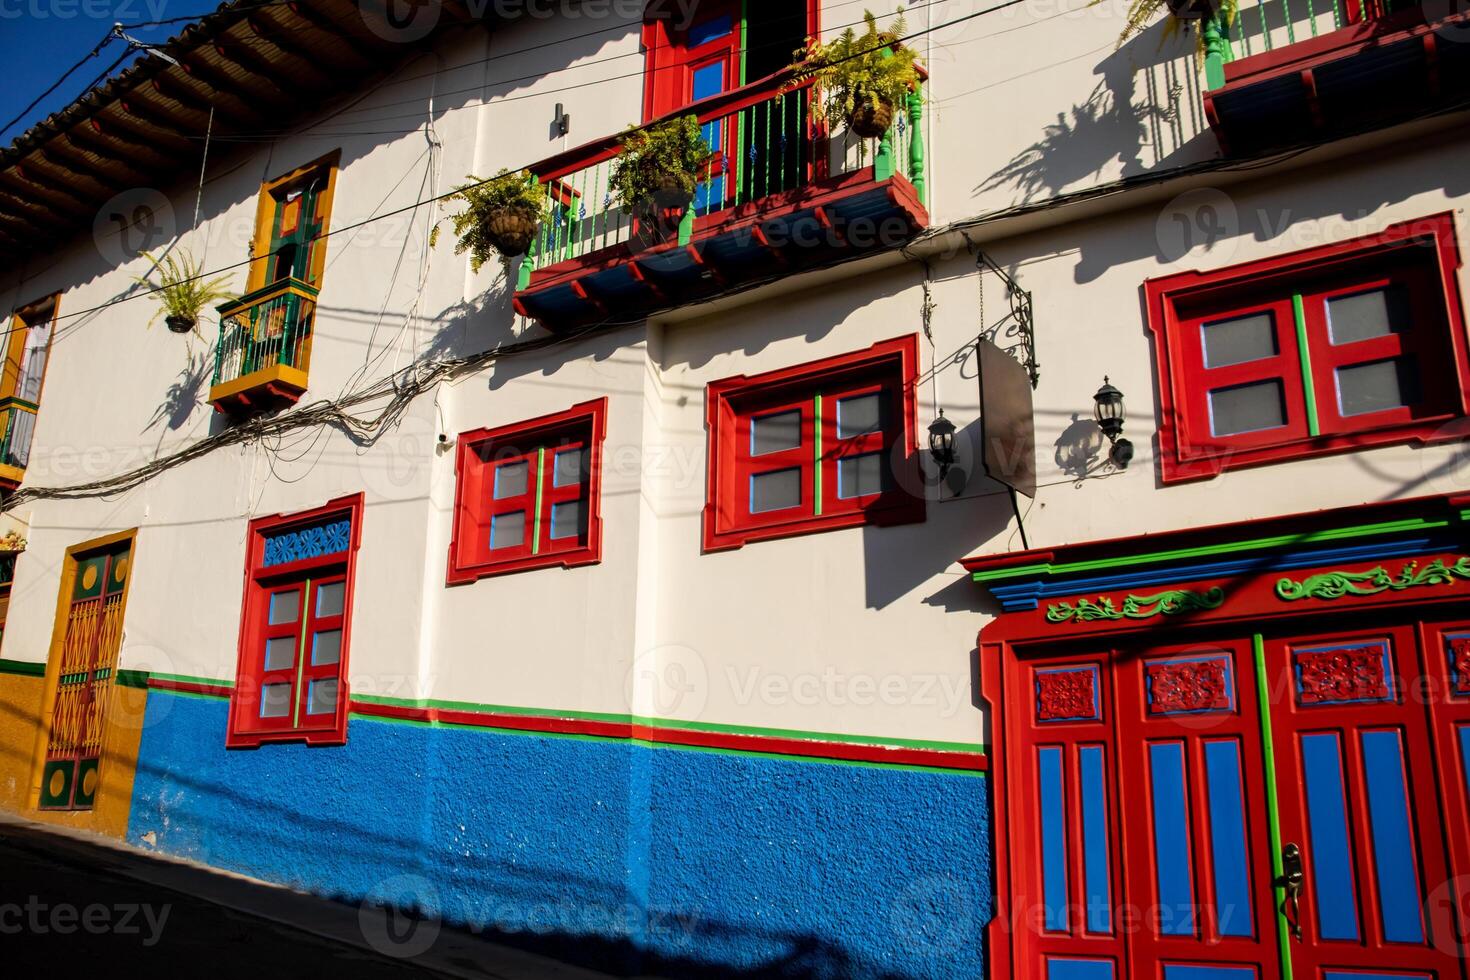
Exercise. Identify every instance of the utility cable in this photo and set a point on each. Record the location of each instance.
(57, 84)
(480, 183)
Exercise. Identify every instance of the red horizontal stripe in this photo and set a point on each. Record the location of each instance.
(767, 744)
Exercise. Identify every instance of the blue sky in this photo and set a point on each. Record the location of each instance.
(41, 39)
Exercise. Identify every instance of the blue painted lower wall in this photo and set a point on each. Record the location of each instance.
(617, 855)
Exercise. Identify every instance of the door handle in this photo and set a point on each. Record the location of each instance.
(1292, 879)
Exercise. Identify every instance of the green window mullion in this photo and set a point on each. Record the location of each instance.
(1273, 812)
(301, 655)
(817, 441)
(540, 493)
(1309, 392)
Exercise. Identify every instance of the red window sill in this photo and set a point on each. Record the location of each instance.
(255, 740)
(909, 511)
(563, 559)
(1193, 466)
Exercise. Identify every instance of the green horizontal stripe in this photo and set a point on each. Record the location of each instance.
(189, 679)
(132, 678)
(818, 760)
(616, 719)
(23, 667)
(202, 695)
(673, 723)
(1254, 544)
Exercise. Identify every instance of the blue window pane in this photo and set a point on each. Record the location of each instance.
(510, 479)
(859, 415)
(775, 491)
(285, 607)
(1239, 341)
(569, 468)
(1363, 316)
(326, 647)
(275, 700)
(566, 519)
(508, 530)
(322, 697)
(329, 598)
(861, 476)
(773, 433)
(707, 30)
(1247, 408)
(280, 652)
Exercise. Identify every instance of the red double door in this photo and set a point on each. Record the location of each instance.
(1253, 807)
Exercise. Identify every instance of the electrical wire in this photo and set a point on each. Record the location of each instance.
(448, 194)
(57, 84)
(242, 8)
(273, 136)
(401, 387)
(263, 135)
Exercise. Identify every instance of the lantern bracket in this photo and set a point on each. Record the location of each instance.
(1016, 332)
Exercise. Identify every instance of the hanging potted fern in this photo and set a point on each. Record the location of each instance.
(501, 215)
(182, 290)
(657, 172)
(1182, 14)
(863, 78)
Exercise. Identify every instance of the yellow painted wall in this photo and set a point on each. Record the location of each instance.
(20, 707)
(21, 701)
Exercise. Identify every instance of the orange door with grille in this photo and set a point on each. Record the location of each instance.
(88, 662)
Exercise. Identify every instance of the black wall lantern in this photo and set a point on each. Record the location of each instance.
(941, 443)
(1111, 415)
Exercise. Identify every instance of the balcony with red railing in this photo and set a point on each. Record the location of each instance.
(1286, 72)
(779, 195)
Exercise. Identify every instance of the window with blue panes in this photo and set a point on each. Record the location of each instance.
(292, 679)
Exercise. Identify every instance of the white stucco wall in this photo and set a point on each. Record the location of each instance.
(863, 631)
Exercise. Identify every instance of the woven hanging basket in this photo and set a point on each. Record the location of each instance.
(870, 120)
(511, 230)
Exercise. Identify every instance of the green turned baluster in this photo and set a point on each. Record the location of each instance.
(883, 162)
(219, 352)
(523, 273)
(686, 227)
(916, 146)
(291, 309)
(1217, 50)
(5, 456)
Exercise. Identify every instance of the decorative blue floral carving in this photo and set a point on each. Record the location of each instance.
(308, 542)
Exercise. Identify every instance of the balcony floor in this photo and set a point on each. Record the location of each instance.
(1373, 73)
(275, 386)
(827, 221)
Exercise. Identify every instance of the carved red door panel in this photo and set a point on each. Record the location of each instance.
(1140, 847)
(1196, 843)
(1446, 654)
(1358, 795)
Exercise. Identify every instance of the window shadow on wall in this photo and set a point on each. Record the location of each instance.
(1143, 113)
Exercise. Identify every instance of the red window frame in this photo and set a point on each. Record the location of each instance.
(889, 367)
(669, 63)
(1420, 257)
(305, 577)
(481, 453)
